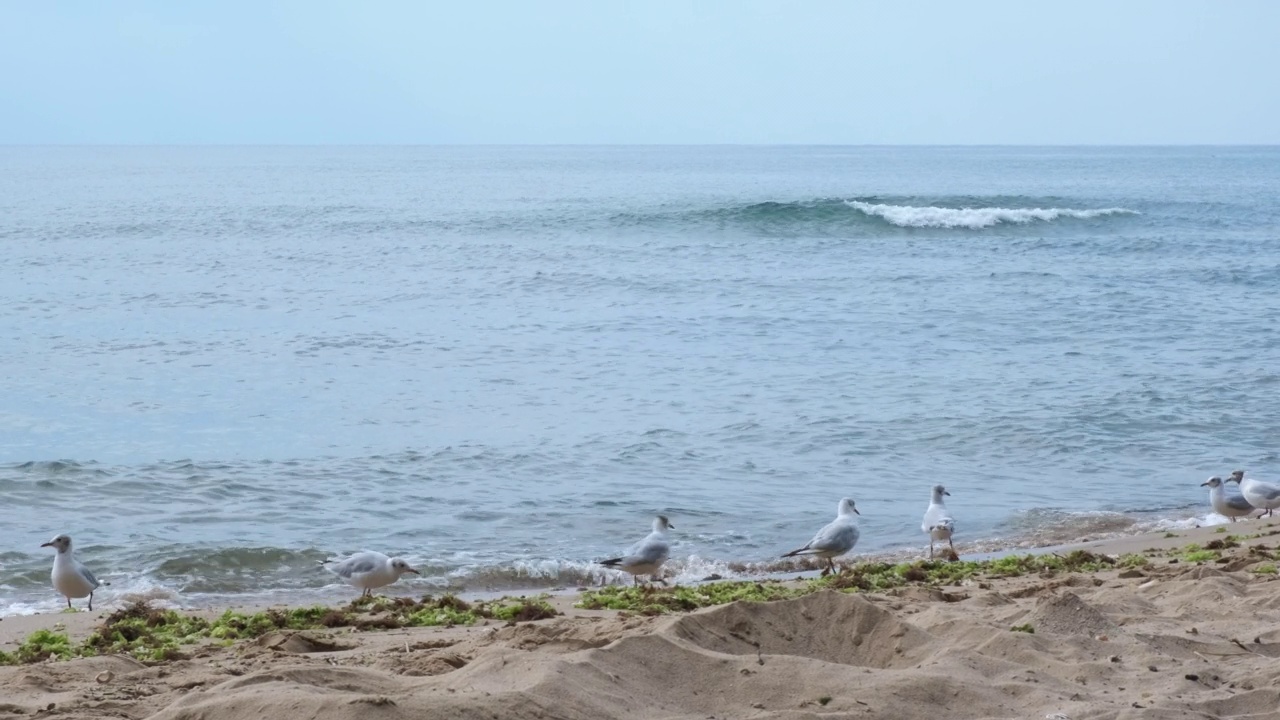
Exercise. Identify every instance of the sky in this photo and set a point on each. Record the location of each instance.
(649, 71)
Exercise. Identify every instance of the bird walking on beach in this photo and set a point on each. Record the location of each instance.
(368, 570)
(834, 540)
(1262, 495)
(646, 556)
(1232, 506)
(938, 522)
(70, 578)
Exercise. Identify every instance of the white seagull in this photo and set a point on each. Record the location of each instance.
(834, 540)
(1262, 495)
(938, 522)
(646, 556)
(1232, 506)
(368, 570)
(70, 578)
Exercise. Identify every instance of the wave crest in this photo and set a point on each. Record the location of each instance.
(972, 218)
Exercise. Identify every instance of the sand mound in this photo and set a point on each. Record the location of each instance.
(829, 653)
(828, 626)
(302, 643)
(1067, 614)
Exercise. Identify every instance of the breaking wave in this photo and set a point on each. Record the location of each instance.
(973, 218)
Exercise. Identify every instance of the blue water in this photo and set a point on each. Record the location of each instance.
(221, 364)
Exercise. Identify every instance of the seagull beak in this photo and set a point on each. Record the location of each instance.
(1203, 484)
(948, 494)
(48, 544)
(673, 527)
(855, 511)
(415, 572)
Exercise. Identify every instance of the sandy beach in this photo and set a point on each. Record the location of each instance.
(1174, 638)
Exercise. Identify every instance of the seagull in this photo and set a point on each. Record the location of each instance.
(1232, 506)
(834, 540)
(70, 578)
(938, 522)
(1262, 495)
(368, 570)
(646, 556)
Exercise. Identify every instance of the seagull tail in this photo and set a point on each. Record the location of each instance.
(611, 562)
(797, 551)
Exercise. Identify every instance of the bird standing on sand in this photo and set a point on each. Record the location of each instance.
(70, 577)
(1262, 495)
(938, 522)
(368, 570)
(1232, 506)
(834, 540)
(646, 556)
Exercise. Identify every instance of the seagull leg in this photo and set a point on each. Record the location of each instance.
(930, 547)
(952, 544)
(68, 602)
(832, 563)
(91, 602)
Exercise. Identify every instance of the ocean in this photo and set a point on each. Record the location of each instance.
(223, 364)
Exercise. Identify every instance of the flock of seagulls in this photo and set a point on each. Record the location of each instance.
(836, 538)
(368, 571)
(1254, 495)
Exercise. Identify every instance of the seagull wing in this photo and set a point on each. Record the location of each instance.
(838, 536)
(937, 516)
(652, 549)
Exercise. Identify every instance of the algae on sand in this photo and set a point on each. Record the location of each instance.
(154, 635)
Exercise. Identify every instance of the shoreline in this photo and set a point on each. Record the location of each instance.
(696, 569)
(14, 628)
(1173, 630)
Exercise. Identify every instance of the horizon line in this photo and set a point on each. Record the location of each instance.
(635, 145)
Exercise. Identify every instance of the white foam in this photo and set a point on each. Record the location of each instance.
(121, 592)
(972, 218)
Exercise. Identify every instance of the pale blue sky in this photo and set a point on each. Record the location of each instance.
(604, 71)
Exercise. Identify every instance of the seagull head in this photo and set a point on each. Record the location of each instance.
(662, 524)
(401, 567)
(1236, 476)
(847, 507)
(938, 492)
(61, 543)
(1213, 482)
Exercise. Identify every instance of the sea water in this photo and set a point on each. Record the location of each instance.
(223, 364)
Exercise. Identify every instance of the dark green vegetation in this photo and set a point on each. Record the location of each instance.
(1024, 629)
(867, 576)
(154, 635)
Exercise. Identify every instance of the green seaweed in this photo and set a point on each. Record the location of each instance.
(42, 645)
(1197, 555)
(860, 577)
(1025, 628)
(656, 601)
(154, 635)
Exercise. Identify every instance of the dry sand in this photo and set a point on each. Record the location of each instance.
(1173, 640)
